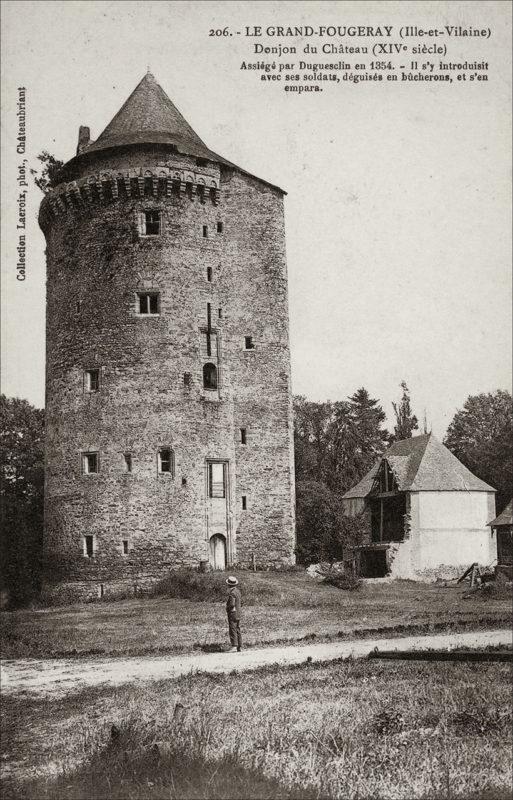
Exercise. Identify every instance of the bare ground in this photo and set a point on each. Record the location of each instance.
(60, 677)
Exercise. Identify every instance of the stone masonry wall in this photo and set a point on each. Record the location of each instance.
(97, 262)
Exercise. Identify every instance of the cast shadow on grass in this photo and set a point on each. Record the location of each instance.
(116, 773)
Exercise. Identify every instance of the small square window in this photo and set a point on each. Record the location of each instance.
(209, 274)
(90, 463)
(248, 343)
(219, 227)
(125, 547)
(148, 302)
(205, 231)
(166, 461)
(89, 546)
(244, 502)
(243, 438)
(151, 223)
(92, 380)
(128, 462)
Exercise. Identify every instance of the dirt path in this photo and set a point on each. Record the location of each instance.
(58, 677)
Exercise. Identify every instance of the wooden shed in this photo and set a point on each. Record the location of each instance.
(502, 529)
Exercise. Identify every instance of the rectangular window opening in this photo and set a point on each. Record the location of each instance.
(148, 302)
(244, 502)
(125, 547)
(90, 463)
(128, 462)
(220, 313)
(209, 274)
(89, 546)
(243, 438)
(151, 223)
(205, 231)
(166, 461)
(248, 343)
(216, 480)
(92, 380)
(219, 227)
(187, 379)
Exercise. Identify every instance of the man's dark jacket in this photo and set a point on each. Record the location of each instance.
(233, 603)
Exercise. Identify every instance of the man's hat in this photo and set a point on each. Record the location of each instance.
(231, 581)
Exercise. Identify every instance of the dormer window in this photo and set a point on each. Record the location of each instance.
(151, 223)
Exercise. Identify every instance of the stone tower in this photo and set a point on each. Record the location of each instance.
(169, 438)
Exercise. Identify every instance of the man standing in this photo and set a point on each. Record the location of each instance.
(233, 604)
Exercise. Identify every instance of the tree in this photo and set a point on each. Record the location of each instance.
(481, 436)
(21, 488)
(312, 423)
(51, 167)
(406, 421)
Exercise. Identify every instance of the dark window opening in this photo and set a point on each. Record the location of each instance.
(248, 343)
(205, 231)
(243, 435)
(220, 313)
(148, 303)
(90, 463)
(184, 481)
(101, 591)
(89, 546)
(210, 376)
(166, 461)
(187, 379)
(151, 223)
(209, 274)
(92, 380)
(219, 227)
(128, 462)
(125, 547)
(244, 502)
(79, 306)
(216, 480)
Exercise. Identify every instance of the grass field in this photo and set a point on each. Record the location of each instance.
(363, 729)
(278, 607)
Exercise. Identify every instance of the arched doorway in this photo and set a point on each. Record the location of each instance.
(218, 552)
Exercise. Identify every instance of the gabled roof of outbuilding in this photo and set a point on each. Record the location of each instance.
(148, 116)
(505, 518)
(422, 464)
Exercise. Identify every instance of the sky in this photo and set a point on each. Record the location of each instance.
(398, 195)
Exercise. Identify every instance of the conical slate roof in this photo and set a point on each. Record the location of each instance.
(148, 116)
(422, 463)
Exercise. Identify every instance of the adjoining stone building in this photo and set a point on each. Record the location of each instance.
(427, 514)
(169, 435)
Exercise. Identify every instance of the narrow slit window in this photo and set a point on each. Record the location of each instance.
(151, 223)
(166, 461)
(219, 227)
(216, 480)
(88, 546)
(210, 377)
(220, 313)
(248, 343)
(92, 380)
(209, 274)
(205, 231)
(187, 379)
(244, 502)
(125, 547)
(148, 303)
(243, 438)
(128, 462)
(90, 463)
